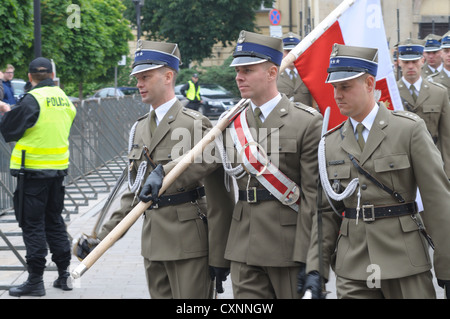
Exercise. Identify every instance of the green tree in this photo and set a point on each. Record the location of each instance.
(84, 52)
(196, 25)
(16, 35)
(85, 38)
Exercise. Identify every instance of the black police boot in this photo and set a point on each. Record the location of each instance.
(33, 286)
(63, 281)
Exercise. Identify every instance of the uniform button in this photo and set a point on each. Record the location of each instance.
(363, 187)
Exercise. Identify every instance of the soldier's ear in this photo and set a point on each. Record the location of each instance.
(370, 82)
(272, 71)
(168, 75)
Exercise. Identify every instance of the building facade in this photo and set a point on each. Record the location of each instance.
(402, 19)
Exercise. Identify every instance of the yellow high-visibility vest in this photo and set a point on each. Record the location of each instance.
(191, 93)
(46, 144)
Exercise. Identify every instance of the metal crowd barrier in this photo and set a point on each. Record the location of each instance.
(99, 137)
(98, 148)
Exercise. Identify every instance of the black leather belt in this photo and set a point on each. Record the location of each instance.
(369, 213)
(180, 198)
(253, 195)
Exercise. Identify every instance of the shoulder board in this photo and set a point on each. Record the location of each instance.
(438, 84)
(430, 77)
(306, 108)
(192, 113)
(406, 114)
(143, 117)
(334, 128)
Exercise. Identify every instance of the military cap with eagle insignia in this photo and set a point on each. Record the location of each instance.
(254, 48)
(151, 55)
(349, 62)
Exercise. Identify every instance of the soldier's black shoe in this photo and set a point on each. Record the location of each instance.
(63, 282)
(33, 286)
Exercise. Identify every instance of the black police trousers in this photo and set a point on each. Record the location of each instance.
(42, 223)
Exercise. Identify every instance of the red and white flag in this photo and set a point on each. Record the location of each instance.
(359, 25)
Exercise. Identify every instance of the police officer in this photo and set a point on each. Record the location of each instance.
(376, 159)
(432, 55)
(289, 81)
(40, 123)
(191, 90)
(270, 229)
(183, 237)
(427, 99)
(443, 77)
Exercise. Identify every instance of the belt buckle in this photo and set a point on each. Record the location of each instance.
(251, 190)
(154, 206)
(371, 217)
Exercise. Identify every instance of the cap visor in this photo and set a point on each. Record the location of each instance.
(409, 57)
(289, 47)
(432, 49)
(342, 76)
(246, 60)
(144, 67)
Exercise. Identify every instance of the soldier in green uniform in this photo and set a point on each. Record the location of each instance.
(270, 228)
(370, 167)
(183, 236)
(443, 77)
(426, 99)
(432, 55)
(289, 81)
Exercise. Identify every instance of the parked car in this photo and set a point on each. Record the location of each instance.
(18, 86)
(111, 92)
(216, 99)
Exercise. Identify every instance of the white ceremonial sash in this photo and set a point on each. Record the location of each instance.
(257, 164)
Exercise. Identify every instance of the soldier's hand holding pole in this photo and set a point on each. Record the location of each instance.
(152, 185)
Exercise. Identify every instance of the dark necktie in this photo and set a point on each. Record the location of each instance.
(257, 113)
(413, 92)
(294, 77)
(153, 124)
(359, 130)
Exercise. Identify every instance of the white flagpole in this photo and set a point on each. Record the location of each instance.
(316, 33)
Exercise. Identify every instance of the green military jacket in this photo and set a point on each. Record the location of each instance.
(433, 107)
(399, 153)
(298, 91)
(441, 78)
(269, 233)
(426, 71)
(177, 232)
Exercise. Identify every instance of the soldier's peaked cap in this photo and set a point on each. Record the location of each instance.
(253, 48)
(410, 49)
(349, 62)
(432, 43)
(445, 41)
(151, 55)
(290, 40)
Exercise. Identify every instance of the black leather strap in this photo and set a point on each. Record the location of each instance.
(180, 198)
(369, 212)
(394, 194)
(261, 194)
(355, 162)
